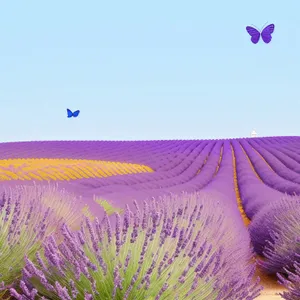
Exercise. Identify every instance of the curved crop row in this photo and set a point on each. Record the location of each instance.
(176, 174)
(288, 153)
(269, 177)
(254, 193)
(279, 167)
(224, 183)
(288, 161)
(175, 166)
(129, 152)
(192, 179)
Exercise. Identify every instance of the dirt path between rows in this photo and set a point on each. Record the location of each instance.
(271, 286)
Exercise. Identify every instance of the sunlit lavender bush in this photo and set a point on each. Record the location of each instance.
(64, 204)
(292, 283)
(274, 233)
(174, 248)
(25, 220)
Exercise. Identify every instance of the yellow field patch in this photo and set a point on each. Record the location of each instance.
(64, 169)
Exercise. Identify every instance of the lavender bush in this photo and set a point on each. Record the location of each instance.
(63, 203)
(275, 231)
(292, 283)
(24, 222)
(174, 248)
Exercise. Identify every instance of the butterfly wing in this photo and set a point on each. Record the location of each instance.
(254, 33)
(76, 113)
(70, 114)
(266, 34)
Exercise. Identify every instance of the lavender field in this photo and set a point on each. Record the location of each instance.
(182, 219)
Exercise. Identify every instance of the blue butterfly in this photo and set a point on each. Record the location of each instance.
(73, 114)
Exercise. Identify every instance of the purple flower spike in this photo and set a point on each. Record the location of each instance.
(165, 252)
(26, 217)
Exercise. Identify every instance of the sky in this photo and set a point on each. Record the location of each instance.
(147, 70)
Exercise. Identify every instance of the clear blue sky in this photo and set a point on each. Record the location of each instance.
(147, 69)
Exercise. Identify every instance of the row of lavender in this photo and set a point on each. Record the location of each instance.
(224, 239)
(177, 247)
(178, 170)
(187, 166)
(269, 193)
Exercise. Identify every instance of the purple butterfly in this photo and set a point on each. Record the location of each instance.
(265, 34)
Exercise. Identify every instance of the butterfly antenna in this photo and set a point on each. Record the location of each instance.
(255, 27)
(263, 26)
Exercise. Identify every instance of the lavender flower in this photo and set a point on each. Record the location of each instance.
(292, 283)
(24, 221)
(195, 263)
(274, 232)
